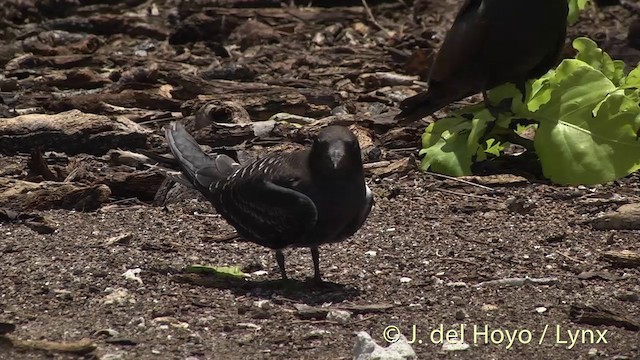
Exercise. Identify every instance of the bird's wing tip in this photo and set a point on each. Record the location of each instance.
(406, 117)
(399, 116)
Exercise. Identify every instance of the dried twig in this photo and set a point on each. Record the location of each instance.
(460, 180)
(373, 19)
(598, 315)
(465, 261)
(518, 282)
(624, 258)
(570, 258)
(80, 347)
(468, 195)
(376, 165)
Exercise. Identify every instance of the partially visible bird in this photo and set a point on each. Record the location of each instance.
(491, 42)
(300, 199)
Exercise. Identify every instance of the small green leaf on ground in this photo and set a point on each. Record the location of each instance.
(232, 271)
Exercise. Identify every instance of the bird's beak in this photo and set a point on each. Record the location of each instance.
(337, 156)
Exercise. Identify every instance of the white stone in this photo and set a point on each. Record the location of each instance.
(263, 304)
(339, 316)
(118, 296)
(132, 274)
(456, 345)
(367, 349)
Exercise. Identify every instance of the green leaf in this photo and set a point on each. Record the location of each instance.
(444, 146)
(586, 118)
(633, 79)
(442, 143)
(494, 147)
(450, 145)
(583, 139)
(509, 91)
(222, 271)
(575, 6)
(540, 92)
(589, 52)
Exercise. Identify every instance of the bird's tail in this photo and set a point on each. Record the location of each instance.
(420, 105)
(201, 169)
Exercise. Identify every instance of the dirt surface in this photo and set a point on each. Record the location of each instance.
(427, 245)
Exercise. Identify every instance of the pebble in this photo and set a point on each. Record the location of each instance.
(63, 294)
(249, 326)
(112, 356)
(118, 296)
(133, 274)
(263, 304)
(367, 349)
(489, 307)
(169, 321)
(455, 345)
(316, 334)
(138, 321)
(339, 316)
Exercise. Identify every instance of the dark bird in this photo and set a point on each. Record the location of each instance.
(492, 42)
(300, 199)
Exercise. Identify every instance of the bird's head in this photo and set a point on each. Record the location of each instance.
(335, 151)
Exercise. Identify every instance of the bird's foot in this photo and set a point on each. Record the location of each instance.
(316, 281)
(503, 107)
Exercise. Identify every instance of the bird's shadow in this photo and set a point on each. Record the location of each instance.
(309, 292)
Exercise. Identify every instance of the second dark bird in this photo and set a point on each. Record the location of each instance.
(300, 199)
(492, 42)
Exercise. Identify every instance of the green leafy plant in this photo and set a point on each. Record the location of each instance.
(575, 6)
(585, 115)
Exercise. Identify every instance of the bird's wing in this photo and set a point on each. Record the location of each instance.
(452, 75)
(264, 207)
(554, 55)
(462, 44)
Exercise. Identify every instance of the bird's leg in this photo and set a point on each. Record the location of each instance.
(495, 110)
(315, 255)
(512, 137)
(522, 87)
(280, 260)
(503, 107)
(492, 109)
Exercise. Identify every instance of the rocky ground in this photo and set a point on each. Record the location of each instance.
(92, 267)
